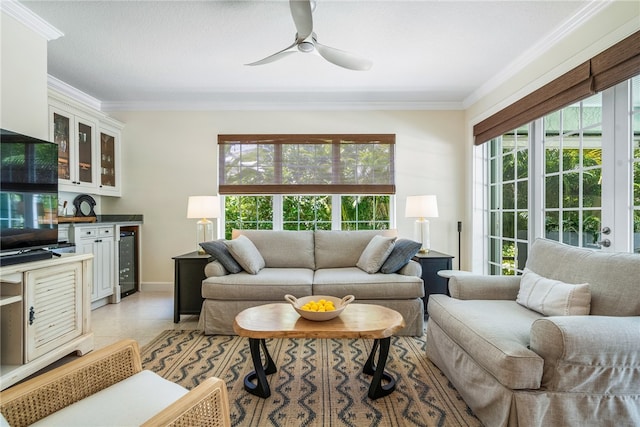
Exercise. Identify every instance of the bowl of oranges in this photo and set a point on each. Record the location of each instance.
(319, 307)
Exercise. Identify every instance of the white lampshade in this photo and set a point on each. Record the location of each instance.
(421, 207)
(203, 207)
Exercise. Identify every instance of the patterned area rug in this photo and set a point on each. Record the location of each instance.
(318, 383)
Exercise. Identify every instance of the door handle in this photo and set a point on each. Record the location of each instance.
(606, 243)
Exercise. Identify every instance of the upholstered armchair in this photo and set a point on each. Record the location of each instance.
(558, 345)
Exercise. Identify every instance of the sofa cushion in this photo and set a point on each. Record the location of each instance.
(375, 253)
(495, 333)
(343, 248)
(219, 251)
(339, 282)
(403, 251)
(246, 253)
(282, 248)
(553, 297)
(270, 284)
(130, 402)
(612, 277)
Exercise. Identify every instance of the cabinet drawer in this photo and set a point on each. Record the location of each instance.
(105, 231)
(87, 232)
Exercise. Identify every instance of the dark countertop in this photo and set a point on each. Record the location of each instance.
(119, 218)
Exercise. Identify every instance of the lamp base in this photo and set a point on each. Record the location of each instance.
(204, 233)
(421, 233)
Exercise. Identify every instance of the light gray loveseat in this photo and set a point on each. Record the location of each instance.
(514, 366)
(304, 263)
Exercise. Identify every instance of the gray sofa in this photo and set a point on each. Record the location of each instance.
(304, 263)
(517, 367)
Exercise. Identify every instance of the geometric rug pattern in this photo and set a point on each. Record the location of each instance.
(319, 382)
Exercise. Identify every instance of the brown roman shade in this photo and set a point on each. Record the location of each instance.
(306, 164)
(615, 65)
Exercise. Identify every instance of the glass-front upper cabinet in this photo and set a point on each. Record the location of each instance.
(75, 136)
(110, 176)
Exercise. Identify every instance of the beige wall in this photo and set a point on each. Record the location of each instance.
(23, 79)
(168, 156)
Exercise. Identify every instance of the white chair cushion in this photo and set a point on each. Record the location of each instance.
(130, 402)
(553, 297)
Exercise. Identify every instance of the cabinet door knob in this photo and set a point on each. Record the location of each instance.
(32, 315)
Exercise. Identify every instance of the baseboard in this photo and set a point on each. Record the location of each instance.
(156, 286)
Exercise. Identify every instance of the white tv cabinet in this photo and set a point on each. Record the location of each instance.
(45, 313)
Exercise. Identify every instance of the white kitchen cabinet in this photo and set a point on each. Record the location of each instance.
(89, 154)
(110, 170)
(75, 136)
(99, 241)
(45, 311)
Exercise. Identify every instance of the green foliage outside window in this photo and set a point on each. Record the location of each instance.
(365, 212)
(311, 212)
(306, 213)
(248, 213)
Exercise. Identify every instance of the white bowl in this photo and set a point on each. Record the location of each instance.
(339, 303)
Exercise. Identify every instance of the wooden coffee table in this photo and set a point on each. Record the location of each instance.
(282, 321)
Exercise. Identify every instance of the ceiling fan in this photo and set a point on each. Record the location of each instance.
(307, 41)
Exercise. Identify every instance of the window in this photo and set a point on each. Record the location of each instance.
(573, 173)
(307, 182)
(634, 112)
(563, 177)
(508, 201)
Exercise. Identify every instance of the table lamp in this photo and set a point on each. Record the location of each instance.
(422, 207)
(203, 207)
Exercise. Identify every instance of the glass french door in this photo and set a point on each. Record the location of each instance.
(591, 193)
(571, 176)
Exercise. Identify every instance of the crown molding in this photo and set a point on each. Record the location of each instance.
(32, 21)
(71, 92)
(536, 51)
(276, 105)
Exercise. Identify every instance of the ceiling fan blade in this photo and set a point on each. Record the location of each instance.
(301, 13)
(343, 59)
(276, 56)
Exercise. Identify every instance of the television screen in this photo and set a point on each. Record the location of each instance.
(28, 192)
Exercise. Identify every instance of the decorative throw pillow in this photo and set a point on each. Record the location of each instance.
(553, 297)
(403, 251)
(375, 253)
(245, 252)
(218, 250)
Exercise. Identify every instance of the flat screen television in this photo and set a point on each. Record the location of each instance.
(28, 197)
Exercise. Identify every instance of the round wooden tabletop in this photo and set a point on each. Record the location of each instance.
(281, 321)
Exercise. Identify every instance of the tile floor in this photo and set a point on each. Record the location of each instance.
(141, 316)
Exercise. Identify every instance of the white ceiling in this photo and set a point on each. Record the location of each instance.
(190, 54)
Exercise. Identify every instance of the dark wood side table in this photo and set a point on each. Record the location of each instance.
(189, 274)
(431, 263)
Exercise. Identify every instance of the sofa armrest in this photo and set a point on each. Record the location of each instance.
(215, 269)
(32, 400)
(483, 287)
(412, 268)
(590, 354)
(207, 404)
